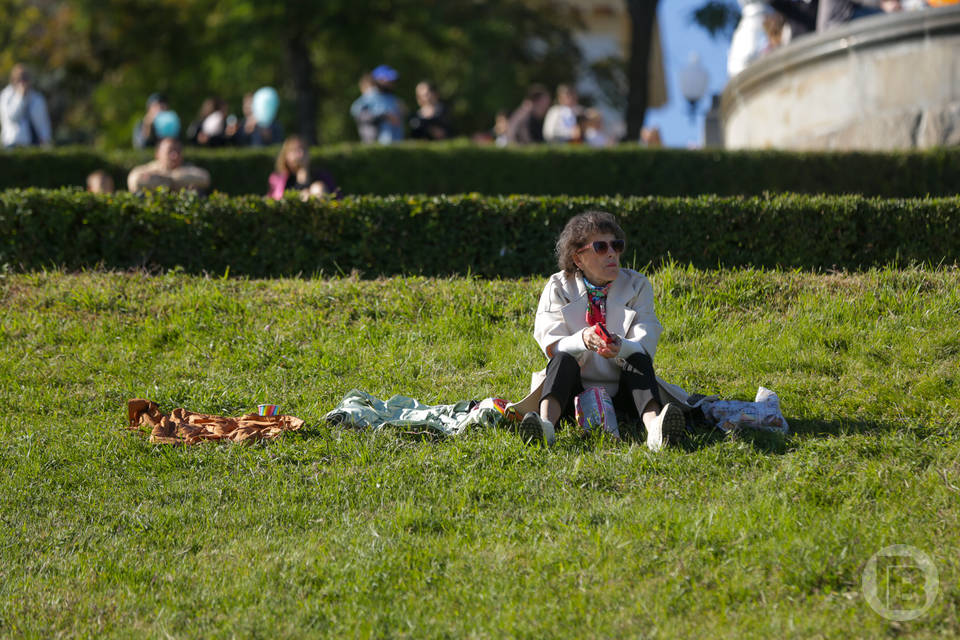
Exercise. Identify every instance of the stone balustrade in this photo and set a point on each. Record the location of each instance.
(884, 82)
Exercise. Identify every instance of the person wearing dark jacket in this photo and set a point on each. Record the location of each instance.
(833, 13)
(800, 15)
(430, 120)
(526, 124)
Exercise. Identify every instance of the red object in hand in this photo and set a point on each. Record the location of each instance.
(601, 329)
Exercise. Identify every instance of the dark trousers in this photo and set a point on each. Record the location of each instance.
(638, 383)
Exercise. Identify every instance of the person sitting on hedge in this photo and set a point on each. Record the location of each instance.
(596, 324)
(168, 170)
(293, 172)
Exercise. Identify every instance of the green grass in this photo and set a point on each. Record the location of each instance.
(344, 534)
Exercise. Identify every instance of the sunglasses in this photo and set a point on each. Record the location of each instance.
(602, 246)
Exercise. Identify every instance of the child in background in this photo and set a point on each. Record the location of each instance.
(293, 172)
(100, 182)
(593, 130)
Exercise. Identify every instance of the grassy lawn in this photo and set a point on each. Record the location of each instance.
(344, 534)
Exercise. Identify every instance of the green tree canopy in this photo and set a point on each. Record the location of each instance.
(98, 60)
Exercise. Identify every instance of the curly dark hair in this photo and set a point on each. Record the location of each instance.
(576, 232)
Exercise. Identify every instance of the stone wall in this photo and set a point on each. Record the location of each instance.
(884, 82)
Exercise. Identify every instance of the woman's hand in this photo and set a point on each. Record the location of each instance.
(595, 342)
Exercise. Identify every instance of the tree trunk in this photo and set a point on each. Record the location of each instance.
(643, 13)
(302, 71)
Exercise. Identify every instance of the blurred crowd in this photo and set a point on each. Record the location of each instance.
(214, 125)
(788, 19)
(293, 173)
(382, 117)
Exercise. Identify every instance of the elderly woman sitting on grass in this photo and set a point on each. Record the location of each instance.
(596, 324)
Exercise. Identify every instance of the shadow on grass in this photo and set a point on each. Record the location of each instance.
(700, 434)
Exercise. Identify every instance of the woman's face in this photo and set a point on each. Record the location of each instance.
(599, 268)
(296, 155)
(424, 95)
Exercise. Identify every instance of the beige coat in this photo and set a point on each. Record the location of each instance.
(153, 175)
(562, 312)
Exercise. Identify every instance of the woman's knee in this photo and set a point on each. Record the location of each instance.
(640, 360)
(563, 372)
(563, 357)
(562, 361)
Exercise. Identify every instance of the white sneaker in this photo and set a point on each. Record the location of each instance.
(667, 427)
(534, 429)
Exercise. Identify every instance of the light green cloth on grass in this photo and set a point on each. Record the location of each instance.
(362, 410)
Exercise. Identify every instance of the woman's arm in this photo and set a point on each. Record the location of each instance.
(645, 330)
(549, 328)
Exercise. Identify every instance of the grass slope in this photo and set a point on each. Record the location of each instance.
(343, 534)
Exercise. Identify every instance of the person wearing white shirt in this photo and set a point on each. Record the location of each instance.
(560, 123)
(24, 120)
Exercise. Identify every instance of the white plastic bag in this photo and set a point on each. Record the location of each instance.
(594, 410)
(763, 413)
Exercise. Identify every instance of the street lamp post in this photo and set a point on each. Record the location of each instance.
(693, 82)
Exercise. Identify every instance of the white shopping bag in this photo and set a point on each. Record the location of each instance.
(763, 413)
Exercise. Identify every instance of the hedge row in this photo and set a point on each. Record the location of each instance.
(490, 236)
(463, 168)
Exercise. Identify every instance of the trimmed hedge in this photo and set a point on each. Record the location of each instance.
(464, 168)
(490, 236)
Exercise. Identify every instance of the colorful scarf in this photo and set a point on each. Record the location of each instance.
(597, 302)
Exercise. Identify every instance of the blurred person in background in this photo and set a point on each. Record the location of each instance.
(379, 107)
(834, 13)
(388, 110)
(100, 182)
(526, 122)
(430, 120)
(777, 30)
(650, 137)
(501, 125)
(24, 120)
(594, 134)
(560, 123)
(168, 170)
(292, 172)
(248, 132)
(144, 133)
(800, 16)
(362, 110)
(209, 129)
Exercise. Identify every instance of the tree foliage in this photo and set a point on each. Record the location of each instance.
(718, 17)
(107, 56)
